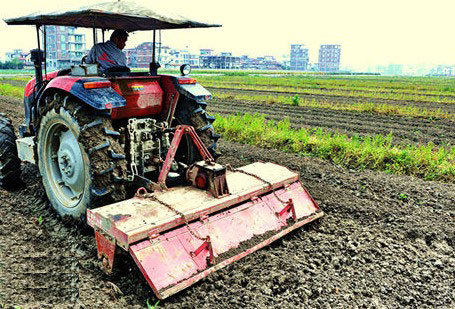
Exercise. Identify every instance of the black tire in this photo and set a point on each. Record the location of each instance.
(80, 160)
(10, 165)
(191, 112)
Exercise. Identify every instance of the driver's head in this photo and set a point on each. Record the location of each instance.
(119, 37)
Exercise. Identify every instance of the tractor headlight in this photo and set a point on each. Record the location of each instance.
(185, 69)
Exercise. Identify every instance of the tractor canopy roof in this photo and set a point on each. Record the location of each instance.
(125, 15)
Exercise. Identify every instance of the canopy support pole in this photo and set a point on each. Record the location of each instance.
(154, 65)
(45, 51)
(38, 67)
(154, 43)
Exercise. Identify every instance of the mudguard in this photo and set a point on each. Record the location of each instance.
(98, 98)
(193, 91)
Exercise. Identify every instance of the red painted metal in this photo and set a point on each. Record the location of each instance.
(179, 132)
(171, 97)
(144, 217)
(173, 255)
(144, 96)
(174, 260)
(206, 245)
(63, 82)
(106, 250)
(287, 208)
(30, 87)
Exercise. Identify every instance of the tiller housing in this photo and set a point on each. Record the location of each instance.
(179, 235)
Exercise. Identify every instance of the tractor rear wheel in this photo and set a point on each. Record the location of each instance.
(191, 112)
(80, 160)
(10, 165)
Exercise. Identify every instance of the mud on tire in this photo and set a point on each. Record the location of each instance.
(191, 112)
(10, 165)
(80, 159)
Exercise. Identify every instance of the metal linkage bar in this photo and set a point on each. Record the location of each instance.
(289, 207)
(206, 245)
(179, 132)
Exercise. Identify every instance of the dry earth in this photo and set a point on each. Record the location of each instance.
(385, 242)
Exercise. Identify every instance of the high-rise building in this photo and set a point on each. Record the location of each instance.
(299, 57)
(329, 58)
(64, 47)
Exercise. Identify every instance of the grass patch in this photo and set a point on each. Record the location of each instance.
(377, 153)
(12, 91)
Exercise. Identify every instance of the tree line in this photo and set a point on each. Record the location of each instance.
(11, 64)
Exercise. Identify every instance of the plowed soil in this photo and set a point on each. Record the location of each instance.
(385, 241)
(346, 99)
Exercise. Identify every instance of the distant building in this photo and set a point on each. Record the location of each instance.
(19, 55)
(64, 47)
(142, 55)
(206, 52)
(131, 57)
(442, 70)
(223, 61)
(299, 57)
(329, 58)
(164, 55)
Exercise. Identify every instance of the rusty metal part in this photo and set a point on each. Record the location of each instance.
(106, 251)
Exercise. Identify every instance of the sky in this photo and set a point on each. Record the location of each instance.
(370, 32)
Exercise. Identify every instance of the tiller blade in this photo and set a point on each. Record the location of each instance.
(181, 235)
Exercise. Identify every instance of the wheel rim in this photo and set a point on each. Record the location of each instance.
(64, 165)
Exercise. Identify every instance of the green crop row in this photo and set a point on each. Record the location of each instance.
(326, 89)
(12, 91)
(377, 153)
(369, 107)
(371, 94)
(406, 85)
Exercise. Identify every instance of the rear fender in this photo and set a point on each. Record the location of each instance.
(98, 98)
(193, 91)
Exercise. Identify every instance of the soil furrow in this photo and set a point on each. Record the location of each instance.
(328, 89)
(404, 129)
(446, 107)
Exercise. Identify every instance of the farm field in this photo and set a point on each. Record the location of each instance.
(386, 240)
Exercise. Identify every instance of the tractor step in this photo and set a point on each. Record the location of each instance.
(173, 255)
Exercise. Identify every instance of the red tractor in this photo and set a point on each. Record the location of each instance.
(98, 138)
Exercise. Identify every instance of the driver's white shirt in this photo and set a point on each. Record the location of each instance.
(108, 55)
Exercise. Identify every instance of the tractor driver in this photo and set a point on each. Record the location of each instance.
(109, 54)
